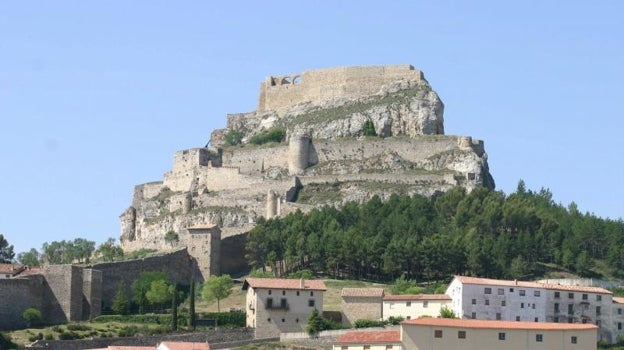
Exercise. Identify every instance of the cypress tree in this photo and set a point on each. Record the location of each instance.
(174, 306)
(192, 306)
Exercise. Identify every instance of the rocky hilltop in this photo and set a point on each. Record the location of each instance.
(317, 155)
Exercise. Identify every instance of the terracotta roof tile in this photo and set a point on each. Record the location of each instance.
(618, 300)
(493, 282)
(417, 297)
(184, 346)
(370, 337)
(283, 283)
(11, 269)
(457, 323)
(362, 292)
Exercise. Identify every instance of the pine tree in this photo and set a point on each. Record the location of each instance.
(192, 306)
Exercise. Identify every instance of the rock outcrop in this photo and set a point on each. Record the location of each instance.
(324, 157)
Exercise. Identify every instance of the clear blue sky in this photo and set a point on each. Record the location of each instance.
(95, 97)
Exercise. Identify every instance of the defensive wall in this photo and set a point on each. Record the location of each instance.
(17, 295)
(278, 93)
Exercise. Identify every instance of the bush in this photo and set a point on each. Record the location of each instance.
(235, 319)
(32, 316)
(69, 335)
(395, 320)
(49, 336)
(369, 323)
(305, 274)
(78, 327)
(34, 338)
(233, 137)
(128, 331)
(368, 129)
(272, 135)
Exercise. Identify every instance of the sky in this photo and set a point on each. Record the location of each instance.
(96, 96)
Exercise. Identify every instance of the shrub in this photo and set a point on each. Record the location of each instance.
(69, 335)
(369, 323)
(128, 331)
(32, 316)
(233, 137)
(78, 327)
(49, 336)
(271, 135)
(395, 320)
(368, 129)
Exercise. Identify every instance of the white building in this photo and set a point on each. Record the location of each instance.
(489, 299)
(414, 306)
(276, 305)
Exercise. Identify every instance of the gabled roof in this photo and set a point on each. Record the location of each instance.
(283, 283)
(469, 323)
(370, 337)
(11, 269)
(537, 285)
(170, 345)
(362, 292)
(618, 300)
(416, 297)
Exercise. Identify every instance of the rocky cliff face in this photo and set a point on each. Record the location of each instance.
(323, 159)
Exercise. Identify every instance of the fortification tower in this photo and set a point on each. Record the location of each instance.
(298, 153)
(271, 205)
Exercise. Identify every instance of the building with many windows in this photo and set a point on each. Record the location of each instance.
(275, 305)
(489, 299)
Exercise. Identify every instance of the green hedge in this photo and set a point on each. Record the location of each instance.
(226, 319)
(151, 319)
(272, 135)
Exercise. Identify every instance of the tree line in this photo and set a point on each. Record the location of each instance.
(482, 233)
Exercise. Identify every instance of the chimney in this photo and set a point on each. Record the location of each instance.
(301, 283)
(516, 282)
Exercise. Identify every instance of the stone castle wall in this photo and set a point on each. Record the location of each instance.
(204, 244)
(278, 93)
(253, 160)
(17, 295)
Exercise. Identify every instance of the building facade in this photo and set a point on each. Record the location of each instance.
(411, 307)
(520, 301)
(361, 303)
(275, 305)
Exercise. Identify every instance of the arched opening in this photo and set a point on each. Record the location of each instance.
(286, 81)
(297, 80)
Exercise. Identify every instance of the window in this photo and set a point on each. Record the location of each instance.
(501, 336)
(536, 319)
(269, 303)
(501, 291)
(311, 303)
(366, 347)
(345, 347)
(409, 303)
(425, 304)
(517, 318)
(297, 293)
(284, 303)
(268, 320)
(619, 311)
(522, 292)
(283, 292)
(311, 293)
(409, 317)
(539, 338)
(598, 297)
(437, 333)
(574, 340)
(461, 334)
(570, 308)
(557, 294)
(510, 290)
(570, 295)
(283, 320)
(389, 347)
(584, 297)
(269, 292)
(487, 290)
(536, 293)
(533, 306)
(598, 310)
(619, 326)
(473, 315)
(498, 316)
(296, 320)
(556, 307)
(487, 302)
(556, 319)
(570, 319)
(503, 303)
(474, 301)
(522, 305)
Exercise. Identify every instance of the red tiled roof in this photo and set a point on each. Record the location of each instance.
(370, 337)
(492, 282)
(11, 269)
(618, 300)
(457, 323)
(185, 346)
(417, 297)
(362, 292)
(283, 283)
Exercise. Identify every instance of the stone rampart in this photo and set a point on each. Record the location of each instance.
(279, 93)
(204, 244)
(255, 160)
(73, 290)
(17, 295)
(178, 266)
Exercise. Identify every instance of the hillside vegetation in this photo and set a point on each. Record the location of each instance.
(483, 233)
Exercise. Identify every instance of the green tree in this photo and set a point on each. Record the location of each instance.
(174, 308)
(172, 237)
(159, 293)
(142, 285)
(402, 286)
(110, 251)
(233, 137)
(315, 323)
(217, 288)
(29, 258)
(446, 312)
(32, 316)
(121, 303)
(368, 129)
(192, 306)
(6, 251)
(519, 268)
(6, 343)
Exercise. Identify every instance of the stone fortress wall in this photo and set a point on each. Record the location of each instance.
(278, 93)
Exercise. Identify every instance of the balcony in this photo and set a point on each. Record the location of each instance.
(282, 306)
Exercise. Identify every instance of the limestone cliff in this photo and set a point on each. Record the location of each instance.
(323, 159)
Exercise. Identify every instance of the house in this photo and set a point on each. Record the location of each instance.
(489, 299)
(275, 305)
(361, 303)
(371, 340)
(446, 333)
(414, 305)
(10, 270)
(618, 317)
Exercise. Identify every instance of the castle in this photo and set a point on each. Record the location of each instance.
(323, 160)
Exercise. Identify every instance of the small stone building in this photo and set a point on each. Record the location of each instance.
(361, 303)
